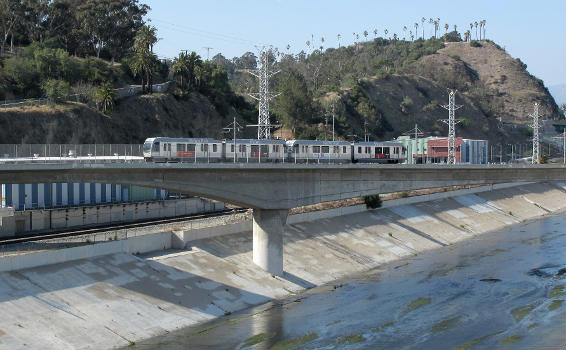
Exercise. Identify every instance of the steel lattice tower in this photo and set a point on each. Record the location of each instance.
(535, 125)
(263, 96)
(451, 121)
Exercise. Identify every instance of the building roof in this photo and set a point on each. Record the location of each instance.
(317, 142)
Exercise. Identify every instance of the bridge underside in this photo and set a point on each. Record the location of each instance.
(271, 190)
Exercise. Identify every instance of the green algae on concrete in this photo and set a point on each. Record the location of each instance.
(258, 338)
(415, 304)
(294, 342)
(473, 342)
(512, 339)
(351, 339)
(557, 291)
(446, 324)
(383, 326)
(520, 312)
(555, 305)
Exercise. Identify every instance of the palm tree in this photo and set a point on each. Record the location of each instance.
(385, 31)
(476, 25)
(142, 65)
(145, 38)
(338, 37)
(455, 26)
(482, 24)
(471, 27)
(375, 33)
(411, 35)
(422, 25)
(180, 69)
(405, 29)
(365, 34)
(446, 26)
(416, 28)
(436, 23)
(105, 97)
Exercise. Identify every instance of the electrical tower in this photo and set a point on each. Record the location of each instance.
(415, 132)
(208, 52)
(451, 121)
(263, 96)
(535, 125)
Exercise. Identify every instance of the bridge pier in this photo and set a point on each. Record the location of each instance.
(268, 239)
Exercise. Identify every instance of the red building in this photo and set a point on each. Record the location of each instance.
(438, 150)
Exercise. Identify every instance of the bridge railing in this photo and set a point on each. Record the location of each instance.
(94, 152)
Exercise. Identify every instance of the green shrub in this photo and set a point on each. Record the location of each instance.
(55, 90)
(475, 43)
(372, 201)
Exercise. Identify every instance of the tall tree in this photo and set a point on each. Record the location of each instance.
(9, 14)
(422, 25)
(476, 25)
(417, 29)
(446, 26)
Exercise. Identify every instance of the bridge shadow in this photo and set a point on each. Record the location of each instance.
(156, 288)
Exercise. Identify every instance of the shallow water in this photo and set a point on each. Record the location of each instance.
(500, 290)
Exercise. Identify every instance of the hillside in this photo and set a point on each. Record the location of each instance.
(382, 87)
(134, 119)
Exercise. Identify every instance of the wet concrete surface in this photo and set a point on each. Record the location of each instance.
(502, 290)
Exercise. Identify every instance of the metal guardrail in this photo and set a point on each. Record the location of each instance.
(70, 151)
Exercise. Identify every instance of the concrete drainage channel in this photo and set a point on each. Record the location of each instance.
(129, 290)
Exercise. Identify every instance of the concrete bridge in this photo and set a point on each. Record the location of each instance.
(272, 189)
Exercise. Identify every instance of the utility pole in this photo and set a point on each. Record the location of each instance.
(333, 122)
(535, 125)
(208, 52)
(451, 121)
(563, 137)
(234, 126)
(263, 96)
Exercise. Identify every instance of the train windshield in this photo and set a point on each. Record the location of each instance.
(147, 146)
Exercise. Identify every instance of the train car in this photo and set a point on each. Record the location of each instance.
(306, 151)
(170, 149)
(254, 151)
(378, 152)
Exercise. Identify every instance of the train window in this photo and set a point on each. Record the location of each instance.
(359, 150)
(386, 150)
(191, 147)
(343, 149)
(202, 147)
(265, 149)
(303, 148)
(169, 147)
(378, 150)
(156, 147)
(254, 148)
(206, 147)
(325, 149)
(214, 147)
(315, 149)
(181, 147)
(164, 147)
(336, 149)
(232, 148)
(368, 150)
(242, 148)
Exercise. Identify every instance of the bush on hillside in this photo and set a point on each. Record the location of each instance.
(55, 90)
(475, 43)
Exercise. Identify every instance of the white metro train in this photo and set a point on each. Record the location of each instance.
(168, 149)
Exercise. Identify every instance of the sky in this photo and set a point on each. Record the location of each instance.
(534, 31)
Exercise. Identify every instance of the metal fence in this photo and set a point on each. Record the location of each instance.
(69, 150)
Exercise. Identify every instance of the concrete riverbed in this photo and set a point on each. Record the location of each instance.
(121, 299)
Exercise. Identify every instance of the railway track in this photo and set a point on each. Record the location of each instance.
(100, 229)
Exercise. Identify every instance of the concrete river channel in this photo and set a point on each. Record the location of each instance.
(504, 290)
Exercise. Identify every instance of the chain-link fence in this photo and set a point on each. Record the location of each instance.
(44, 152)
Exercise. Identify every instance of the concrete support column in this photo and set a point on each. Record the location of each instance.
(268, 239)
